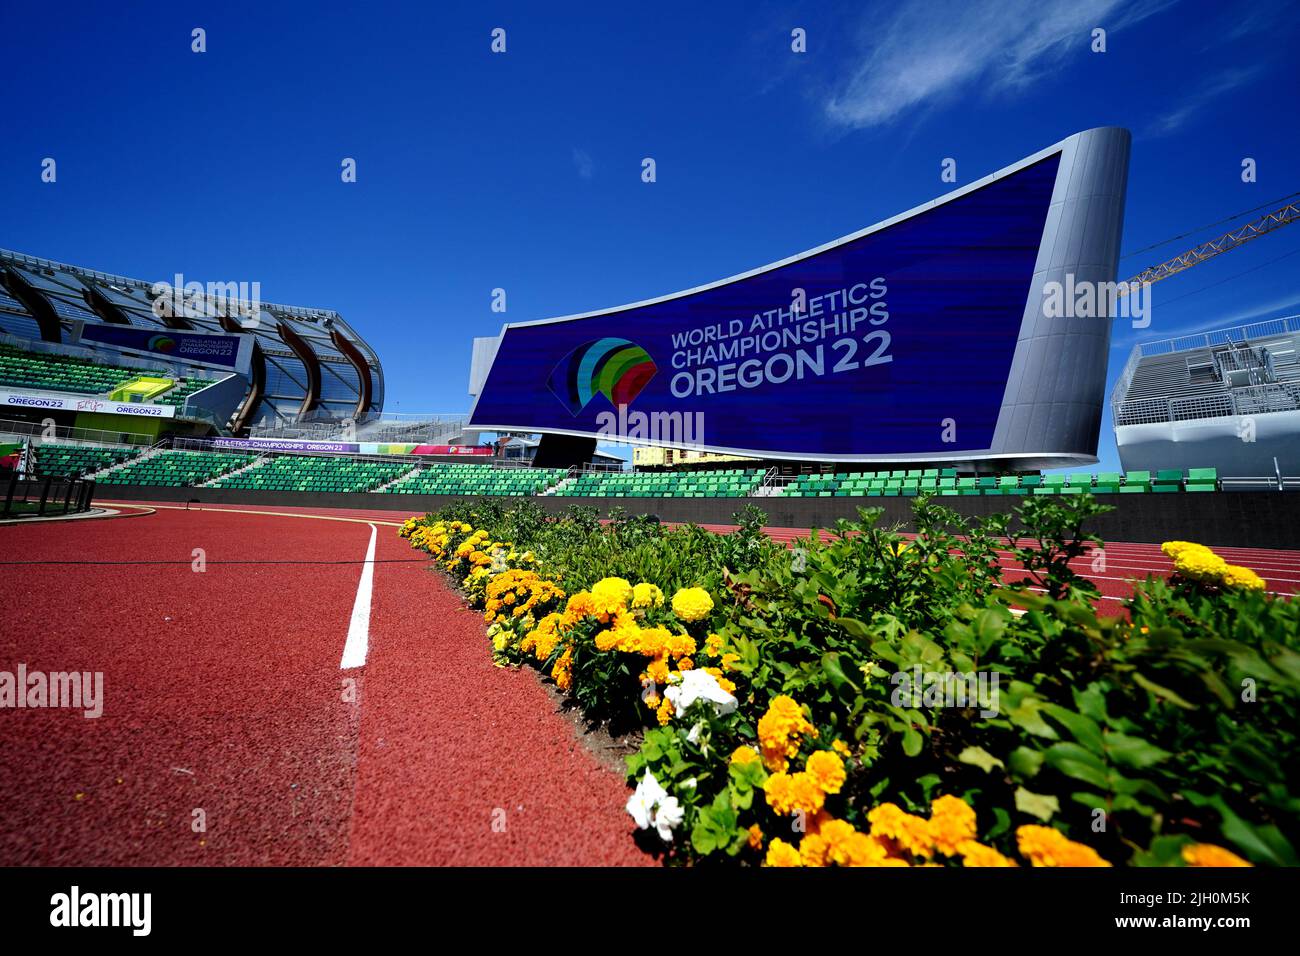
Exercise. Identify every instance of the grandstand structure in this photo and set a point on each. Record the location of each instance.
(288, 365)
(1230, 396)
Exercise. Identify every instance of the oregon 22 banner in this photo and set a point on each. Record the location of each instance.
(866, 347)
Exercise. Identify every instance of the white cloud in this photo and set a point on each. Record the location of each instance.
(585, 164)
(1217, 85)
(931, 50)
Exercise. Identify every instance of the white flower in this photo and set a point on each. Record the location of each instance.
(696, 685)
(650, 806)
(642, 803)
(667, 816)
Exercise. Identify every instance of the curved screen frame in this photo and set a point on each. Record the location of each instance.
(1050, 414)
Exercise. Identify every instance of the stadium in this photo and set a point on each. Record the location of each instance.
(872, 555)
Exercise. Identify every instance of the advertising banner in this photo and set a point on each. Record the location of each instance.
(898, 340)
(220, 350)
(55, 402)
(348, 448)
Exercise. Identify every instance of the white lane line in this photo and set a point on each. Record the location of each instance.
(358, 642)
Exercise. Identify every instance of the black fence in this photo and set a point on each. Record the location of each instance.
(36, 497)
(1258, 519)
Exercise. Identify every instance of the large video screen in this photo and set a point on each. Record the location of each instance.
(897, 342)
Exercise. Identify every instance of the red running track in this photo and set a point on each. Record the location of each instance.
(223, 694)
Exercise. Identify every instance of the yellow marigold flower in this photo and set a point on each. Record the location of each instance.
(580, 605)
(727, 684)
(952, 823)
(1047, 846)
(1236, 576)
(653, 701)
(729, 661)
(779, 730)
(975, 855)
(713, 645)
(780, 853)
(607, 640)
(744, 754)
(562, 672)
(787, 793)
(827, 770)
(813, 850)
(647, 595)
(665, 712)
(685, 664)
(1207, 854)
(657, 670)
(609, 596)
(902, 830)
(692, 604)
(840, 747)
(755, 837)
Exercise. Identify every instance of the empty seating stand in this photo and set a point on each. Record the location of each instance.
(73, 461)
(175, 469)
(309, 473)
(735, 483)
(51, 372)
(946, 482)
(472, 480)
(906, 483)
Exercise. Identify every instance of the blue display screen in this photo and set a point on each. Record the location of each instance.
(895, 343)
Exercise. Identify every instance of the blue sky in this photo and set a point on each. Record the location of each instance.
(522, 170)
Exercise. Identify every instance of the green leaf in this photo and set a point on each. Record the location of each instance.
(912, 742)
(1133, 751)
(1025, 761)
(979, 757)
(1040, 805)
(1085, 731)
(1164, 693)
(833, 669)
(1077, 763)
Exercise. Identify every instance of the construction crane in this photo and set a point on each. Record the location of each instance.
(1215, 247)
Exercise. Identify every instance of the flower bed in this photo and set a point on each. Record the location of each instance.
(863, 699)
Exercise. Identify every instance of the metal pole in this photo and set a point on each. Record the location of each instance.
(9, 497)
(45, 493)
(1277, 471)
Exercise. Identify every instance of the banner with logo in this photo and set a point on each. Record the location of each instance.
(348, 448)
(211, 349)
(56, 402)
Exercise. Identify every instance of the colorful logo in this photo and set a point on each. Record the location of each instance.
(161, 343)
(615, 368)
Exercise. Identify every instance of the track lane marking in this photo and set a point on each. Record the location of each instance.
(358, 641)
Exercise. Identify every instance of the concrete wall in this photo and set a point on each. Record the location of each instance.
(1257, 519)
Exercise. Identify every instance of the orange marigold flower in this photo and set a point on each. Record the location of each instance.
(780, 853)
(755, 837)
(1047, 846)
(974, 854)
(787, 793)
(744, 754)
(827, 769)
(1207, 854)
(779, 730)
(901, 830)
(952, 823)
